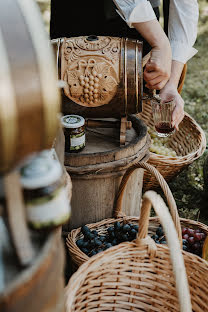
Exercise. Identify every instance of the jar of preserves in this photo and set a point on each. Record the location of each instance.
(45, 194)
(74, 131)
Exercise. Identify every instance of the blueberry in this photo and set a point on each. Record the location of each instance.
(185, 247)
(126, 228)
(155, 237)
(95, 233)
(102, 238)
(185, 242)
(92, 243)
(108, 245)
(85, 250)
(110, 229)
(159, 231)
(124, 237)
(98, 242)
(85, 229)
(157, 242)
(163, 242)
(89, 235)
(135, 227)
(117, 225)
(85, 244)
(112, 234)
(80, 242)
(93, 252)
(133, 233)
(114, 242)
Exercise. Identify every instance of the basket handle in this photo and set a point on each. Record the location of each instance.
(150, 199)
(163, 184)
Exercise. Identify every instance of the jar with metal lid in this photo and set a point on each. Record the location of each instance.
(74, 131)
(45, 195)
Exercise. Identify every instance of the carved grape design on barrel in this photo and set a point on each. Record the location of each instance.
(91, 70)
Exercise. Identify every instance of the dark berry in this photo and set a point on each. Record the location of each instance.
(85, 229)
(191, 240)
(185, 247)
(102, 238)
(159, 231)
(95, 233)
(126, 228)
(114, 242)
(80, 242)
(196, 246)
(92, 243)
(197, 236)
(85, 244)
(117, 225)
(133, 233)
(185, 236)
(185, 242)
(110, 229)
(98, 242)
(163, 242)
(85, 250)
(184, 230)
(108, 245)
(124, 237)
(112, 234)
(155, 237)
(190, 232)
(203, 236)
(135, 227)
(93, 252)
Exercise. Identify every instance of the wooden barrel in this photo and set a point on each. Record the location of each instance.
(103, 75)
(97, 170)
(29, 96)
(39, 288)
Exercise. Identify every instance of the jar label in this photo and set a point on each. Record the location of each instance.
(77, 141)
(52, 212)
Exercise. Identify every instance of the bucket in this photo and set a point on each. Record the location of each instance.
(96, 173)
(39, 287)
(103, 75)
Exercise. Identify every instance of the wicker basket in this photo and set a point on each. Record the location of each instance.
(189, 143)
(140, 275)
(77, 256)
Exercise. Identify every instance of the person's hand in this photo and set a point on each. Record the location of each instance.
(169, 92)
(158, 68)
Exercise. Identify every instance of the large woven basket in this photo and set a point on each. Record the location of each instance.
(189, 143)
(140, 275)
(78, 257)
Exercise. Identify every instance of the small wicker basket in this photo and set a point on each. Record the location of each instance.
(189, 143)
(140, 275)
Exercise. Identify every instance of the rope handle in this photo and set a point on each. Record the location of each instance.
(152, 199)
(164, 186)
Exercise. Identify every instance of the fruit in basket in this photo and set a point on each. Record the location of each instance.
(93, 242)
(160, 145)
(193, 239)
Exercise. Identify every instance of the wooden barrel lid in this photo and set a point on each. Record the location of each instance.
(104, 152)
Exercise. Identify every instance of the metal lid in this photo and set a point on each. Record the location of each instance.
(41, 170)
(72, 121)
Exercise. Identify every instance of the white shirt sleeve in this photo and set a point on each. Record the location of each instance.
(182, 26)
(135, 11)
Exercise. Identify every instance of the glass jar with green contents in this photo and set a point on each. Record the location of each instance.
(74, 131)
(45, 194)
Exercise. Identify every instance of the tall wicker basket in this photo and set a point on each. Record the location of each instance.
(189, 143)
(140, 276)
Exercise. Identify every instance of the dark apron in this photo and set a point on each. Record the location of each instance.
(91, 17)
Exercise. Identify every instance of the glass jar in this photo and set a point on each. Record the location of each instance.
(45, 194)
(74, 131)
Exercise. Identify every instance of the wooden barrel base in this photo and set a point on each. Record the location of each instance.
(96, 173)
